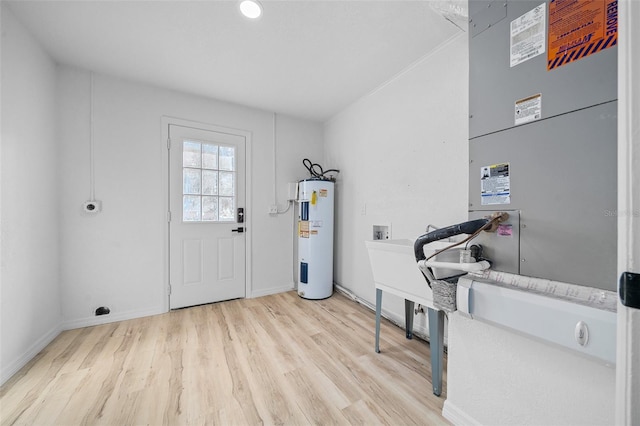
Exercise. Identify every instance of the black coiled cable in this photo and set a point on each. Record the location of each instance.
(315, 170)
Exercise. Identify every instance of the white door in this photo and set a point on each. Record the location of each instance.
(206, 238)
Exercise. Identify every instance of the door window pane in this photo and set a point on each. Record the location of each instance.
(192, 181)
(191, 154)
(208, 182)
(227, 158)
(226, 183)
(209, 156)
(209, 208)
(191, 208)
(226, 208)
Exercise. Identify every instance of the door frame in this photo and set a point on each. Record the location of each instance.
(166, 122)
(628, 341)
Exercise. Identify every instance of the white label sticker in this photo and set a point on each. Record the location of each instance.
(495, 184)
(528, 109)
(528, 35)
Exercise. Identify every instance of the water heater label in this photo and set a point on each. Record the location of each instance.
(528, 35)
(495, 184)
(578, 29)
(528, 109)
(303, 229)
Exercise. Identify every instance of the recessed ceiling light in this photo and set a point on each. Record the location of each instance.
(251, 9)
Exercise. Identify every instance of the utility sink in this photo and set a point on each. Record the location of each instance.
(395, 268)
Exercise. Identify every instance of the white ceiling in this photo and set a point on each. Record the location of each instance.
(309, 59)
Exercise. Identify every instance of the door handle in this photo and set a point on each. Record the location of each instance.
(239, 230)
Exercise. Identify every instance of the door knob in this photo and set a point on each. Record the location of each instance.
(239, 230)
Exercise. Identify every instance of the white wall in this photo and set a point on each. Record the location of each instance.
(403, 157)
(403, 153)
(116, 258)
(30, 293)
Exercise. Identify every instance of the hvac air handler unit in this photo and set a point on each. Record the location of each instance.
(315, 238)
(543, 114)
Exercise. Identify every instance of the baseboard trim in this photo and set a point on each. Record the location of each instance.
(456, 416)
(15, 366)
(398, 320)
(106, 319)
(270, 291)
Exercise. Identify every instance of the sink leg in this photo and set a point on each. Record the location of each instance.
(378, 313)
(408, 317)
(436, 342)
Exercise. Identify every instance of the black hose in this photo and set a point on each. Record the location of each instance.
(469, 227)
(315, 170)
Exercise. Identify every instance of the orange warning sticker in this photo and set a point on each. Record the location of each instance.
(323, 192)
(580, 28)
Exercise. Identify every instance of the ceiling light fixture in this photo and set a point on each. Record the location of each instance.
(251, 9)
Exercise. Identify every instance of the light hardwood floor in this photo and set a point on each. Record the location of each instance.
(273, 360)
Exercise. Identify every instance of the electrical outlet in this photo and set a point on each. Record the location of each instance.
(273, 209)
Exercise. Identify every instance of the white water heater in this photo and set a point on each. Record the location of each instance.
(315, 238)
